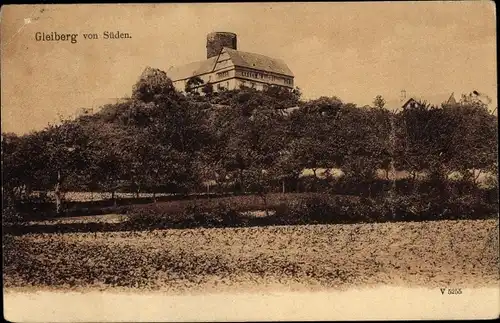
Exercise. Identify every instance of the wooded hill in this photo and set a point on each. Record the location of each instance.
(160, 140)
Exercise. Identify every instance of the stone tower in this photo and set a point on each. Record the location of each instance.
(217, 40)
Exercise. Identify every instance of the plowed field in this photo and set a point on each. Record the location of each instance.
(432, 254)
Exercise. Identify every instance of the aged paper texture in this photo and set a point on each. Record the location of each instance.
(257, 161)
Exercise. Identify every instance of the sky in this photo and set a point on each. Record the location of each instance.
(354, 51)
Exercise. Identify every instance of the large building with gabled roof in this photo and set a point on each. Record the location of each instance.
(228, 68)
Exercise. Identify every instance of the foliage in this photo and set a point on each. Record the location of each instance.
(249, 141)
(192, 84)
(379, 102)
(153, 84)
(311, 208)
(208, 89)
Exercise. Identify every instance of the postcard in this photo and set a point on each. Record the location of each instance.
(249, 161)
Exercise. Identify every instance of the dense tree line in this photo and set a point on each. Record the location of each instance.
(160, 140)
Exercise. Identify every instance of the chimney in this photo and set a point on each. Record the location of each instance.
(217, 40)
(402, 98)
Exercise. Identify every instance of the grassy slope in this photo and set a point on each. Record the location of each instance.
(434, 254)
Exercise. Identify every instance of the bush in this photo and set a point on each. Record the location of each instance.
(149, 217)
(227, 215)
(323, 208)
(189, 215)
(470, 207)
(11, 216)
(297, 209)
(350, 209)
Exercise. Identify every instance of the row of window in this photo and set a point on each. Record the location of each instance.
(252, 74)
(257, 75)
(223, 74)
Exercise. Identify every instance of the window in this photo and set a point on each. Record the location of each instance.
(254, 75)
(223, 74)
(288, 81)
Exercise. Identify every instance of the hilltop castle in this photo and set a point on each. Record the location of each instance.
(228, 68)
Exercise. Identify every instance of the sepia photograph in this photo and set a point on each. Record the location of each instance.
(250, 161)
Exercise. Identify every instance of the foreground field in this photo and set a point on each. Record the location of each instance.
(433, 254)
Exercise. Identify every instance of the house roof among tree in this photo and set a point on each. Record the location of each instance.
(433, 99)
(451, 99)
(436, 100)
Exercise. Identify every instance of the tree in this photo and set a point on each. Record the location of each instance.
(153, 84)
(169, 132)
(321, 146)
(248, 137)
(368, 149)
(192, 84)
(379, 102)
(208, 89)
(107, 166)
(281, 97)
(324, 105)
(474, 138)
(64, 154)
(15, 173)
(412, 140)
(441, 140)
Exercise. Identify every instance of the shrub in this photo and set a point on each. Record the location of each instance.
(149, 217)
(34, 207)
(219, 215)
(315, 209)
(189, 215)
(11, 216)
(323, 208)
(228, 215)
(282, 209)
(349, 209)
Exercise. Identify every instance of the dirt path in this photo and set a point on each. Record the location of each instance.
(101, 218)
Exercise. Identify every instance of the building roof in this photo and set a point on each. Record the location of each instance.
(239, 58)
(451, 99)
(259, 62)
(192, 69)
(435, 99)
